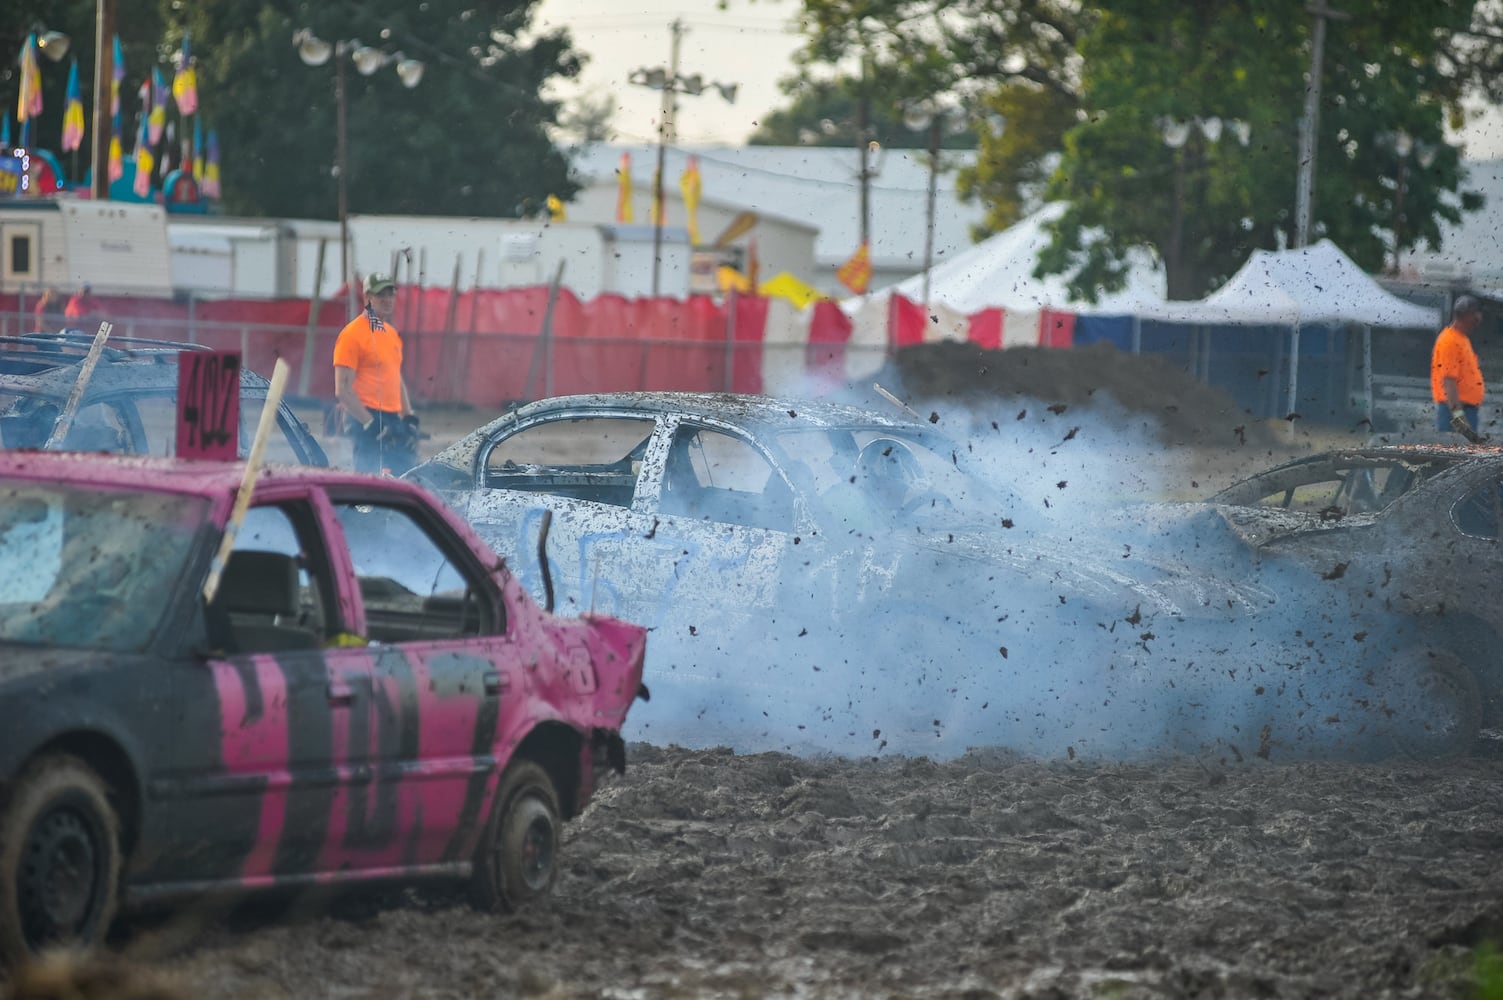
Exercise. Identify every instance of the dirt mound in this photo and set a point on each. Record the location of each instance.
(1188, 412)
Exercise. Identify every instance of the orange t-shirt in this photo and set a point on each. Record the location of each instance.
(375, 354)
(1453, 357)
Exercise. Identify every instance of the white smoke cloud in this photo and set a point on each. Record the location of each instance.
(1101, 624)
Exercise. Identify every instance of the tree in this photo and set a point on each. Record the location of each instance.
(1206, 203)
(589, 119)
(1085, 93)
(471, 139)
(826, 112)
(1013, 66)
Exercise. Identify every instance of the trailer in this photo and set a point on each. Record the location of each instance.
(61, 243)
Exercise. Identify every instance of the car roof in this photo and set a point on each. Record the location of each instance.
(740, 408)
(177, 475)
(47, 365)
(1415, 454)
(1391, 452)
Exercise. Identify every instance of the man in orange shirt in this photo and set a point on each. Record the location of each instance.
(1455, 375)
(369, 387)
(83, 305)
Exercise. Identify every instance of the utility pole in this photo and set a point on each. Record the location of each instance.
(666, 134)
(104, 74)
(1304, 195)
(863, 125)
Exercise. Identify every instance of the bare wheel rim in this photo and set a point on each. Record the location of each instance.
(536, 844)
(59, 884)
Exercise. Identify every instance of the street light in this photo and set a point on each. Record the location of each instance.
(315, 51)
(52, 44)
(930, 115)
(670, 83)
(1309, 123)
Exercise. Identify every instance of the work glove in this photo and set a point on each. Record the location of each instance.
(1459, 423)
(411, 423)
(385, 431)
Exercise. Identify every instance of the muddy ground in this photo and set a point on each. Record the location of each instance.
(704, 874)
(707, 874)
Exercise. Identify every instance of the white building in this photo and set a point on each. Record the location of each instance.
(803, 203)
(792, 188)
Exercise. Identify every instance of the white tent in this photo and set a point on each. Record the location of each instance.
(997, 273)
(1316, 285)
(1313, 285)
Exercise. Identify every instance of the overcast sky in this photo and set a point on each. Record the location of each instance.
(750, 44)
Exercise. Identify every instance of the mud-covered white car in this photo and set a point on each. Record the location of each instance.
(828, 575)
(1408, 531)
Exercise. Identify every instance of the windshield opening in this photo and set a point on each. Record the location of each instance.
(87, 567)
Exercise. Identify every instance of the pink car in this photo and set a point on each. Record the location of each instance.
(370, 694)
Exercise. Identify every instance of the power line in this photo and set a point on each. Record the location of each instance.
(616, 22)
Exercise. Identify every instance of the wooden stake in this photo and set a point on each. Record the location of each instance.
(64, 422)
(248, 481)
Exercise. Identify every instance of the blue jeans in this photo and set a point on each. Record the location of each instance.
(1443, 416)
(395, 454)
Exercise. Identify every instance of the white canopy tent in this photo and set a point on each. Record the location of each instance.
(1313, 285)
(997, 273)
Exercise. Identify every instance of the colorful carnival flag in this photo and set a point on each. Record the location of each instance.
(117, 157)
(117, 77)
(198, 150)
(29, 98)
(623, 190)
(210, 186)
(689, 183)
(856, 273)
(145, 162)
(73, 113)
(185, 80)
(143, 95)
(157, 120)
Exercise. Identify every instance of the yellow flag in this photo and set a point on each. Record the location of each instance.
(856, 273)
(556, 209)
(623, 192)
(689, 183)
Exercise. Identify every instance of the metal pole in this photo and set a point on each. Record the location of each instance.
(863, 120)
(1293, 372)
(730, 341)
(1367, 375)
(104, 71)
(929, 214)
(305, 374)
(340, 167)
(1304, 195)
(665, 133)
(1178, 286)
